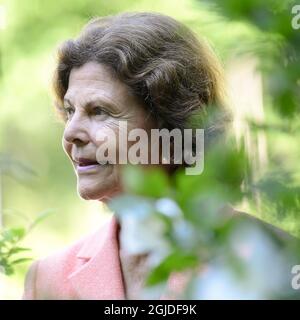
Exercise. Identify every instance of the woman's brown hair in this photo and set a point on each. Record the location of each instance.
(162, 62)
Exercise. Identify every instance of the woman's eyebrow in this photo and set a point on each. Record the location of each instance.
(102, 102)
(96, 101)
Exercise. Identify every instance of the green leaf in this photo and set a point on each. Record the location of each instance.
(146, 182)
(21, 260)
(17, 250)
(14, 234)
(8, 270)
(176, 261)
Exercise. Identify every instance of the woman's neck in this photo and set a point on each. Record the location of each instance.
(134, 270)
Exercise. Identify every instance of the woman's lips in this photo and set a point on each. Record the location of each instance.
(84, 165)
(87, 168)
(86, 161)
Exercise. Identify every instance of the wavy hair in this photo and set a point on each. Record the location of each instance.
(162, 61)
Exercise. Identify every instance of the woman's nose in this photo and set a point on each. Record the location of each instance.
(75, 132)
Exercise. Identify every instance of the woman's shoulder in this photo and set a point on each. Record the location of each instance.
(47, 278)
(279, 233)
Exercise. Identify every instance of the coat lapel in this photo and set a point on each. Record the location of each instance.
(99, 276)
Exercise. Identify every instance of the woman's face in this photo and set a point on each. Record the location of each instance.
(94, 103)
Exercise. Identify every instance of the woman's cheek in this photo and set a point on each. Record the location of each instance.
(106, 132)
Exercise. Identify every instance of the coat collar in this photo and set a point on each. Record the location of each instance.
(99, 275)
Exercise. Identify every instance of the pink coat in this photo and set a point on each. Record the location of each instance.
(88, 269)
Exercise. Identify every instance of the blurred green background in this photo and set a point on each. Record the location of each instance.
(35, 175)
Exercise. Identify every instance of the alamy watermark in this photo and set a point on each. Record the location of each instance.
(296, 278)
(161, 146)
(296, 17)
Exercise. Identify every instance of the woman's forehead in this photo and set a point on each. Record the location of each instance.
(95, 79)
(94, 74)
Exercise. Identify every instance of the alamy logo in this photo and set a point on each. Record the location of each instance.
(137, 146)
(296, 278)
(296, 18)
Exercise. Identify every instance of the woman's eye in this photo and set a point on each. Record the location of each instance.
(97, 111)
(69, 111)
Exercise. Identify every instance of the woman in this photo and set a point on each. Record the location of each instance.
(142, 68)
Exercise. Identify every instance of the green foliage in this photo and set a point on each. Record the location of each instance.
(9, 248)
(282, 68)
(151, 183)
(190, 226)
(11, 253)
(176, 261)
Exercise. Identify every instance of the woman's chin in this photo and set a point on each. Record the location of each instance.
(100, 193)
